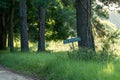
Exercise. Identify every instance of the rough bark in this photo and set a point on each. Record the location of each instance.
(41, 37)
(23, 26)
(84, 28)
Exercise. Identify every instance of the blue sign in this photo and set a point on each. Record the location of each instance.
(71, 40)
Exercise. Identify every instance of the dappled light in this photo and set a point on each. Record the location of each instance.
(108, 69)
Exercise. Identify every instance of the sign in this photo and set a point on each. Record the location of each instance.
(71, 40)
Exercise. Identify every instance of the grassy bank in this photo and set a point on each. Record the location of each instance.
(60, 67)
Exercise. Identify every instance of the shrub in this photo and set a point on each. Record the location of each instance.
(89, 55)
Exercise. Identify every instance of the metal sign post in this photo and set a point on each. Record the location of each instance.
(72, 44)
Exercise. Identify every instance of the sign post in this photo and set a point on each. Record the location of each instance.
(72, 40)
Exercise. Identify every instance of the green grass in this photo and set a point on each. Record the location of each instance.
(59, 67)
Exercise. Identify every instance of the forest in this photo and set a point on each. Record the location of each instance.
(32, 35)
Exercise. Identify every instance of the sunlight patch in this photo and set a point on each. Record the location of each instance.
(108, 69)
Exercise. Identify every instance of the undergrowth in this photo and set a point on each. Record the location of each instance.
(90, 55)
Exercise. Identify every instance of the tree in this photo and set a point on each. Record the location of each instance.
(41, 37)
(84, 28)
(41, 5)
(23, 26)
(1, 32)
(3, 21)
(10, 36)
(60, 21)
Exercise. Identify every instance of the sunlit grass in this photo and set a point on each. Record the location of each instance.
(50, 46)
(59, 46)
(108, 69)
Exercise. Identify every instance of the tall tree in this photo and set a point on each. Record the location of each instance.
(41, 37)
(84, 28)
(10, 36)
(41, 5)
(4, 21)
(3, 32)
(23, 26)
(1, 39)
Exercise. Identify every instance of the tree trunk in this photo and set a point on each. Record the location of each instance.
(3, 34)
(84, 28)
(10, 36)
(41, 37)
(23, 26)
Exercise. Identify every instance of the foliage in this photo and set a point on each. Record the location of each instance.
(106, 36)
(107, 54)
(60, 19)
(42, 3)
(4, 4)
(108, 44)
(102, 27)
(99, 11)
(57, 24)
(68, 2)
(107, 2)
(57, 21)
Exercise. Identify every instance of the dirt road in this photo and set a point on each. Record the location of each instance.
(9, 75)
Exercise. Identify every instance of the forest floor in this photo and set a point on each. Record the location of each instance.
(7, 74)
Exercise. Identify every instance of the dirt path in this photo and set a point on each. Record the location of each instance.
(9, 75)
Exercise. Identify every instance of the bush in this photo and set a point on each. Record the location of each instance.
(90, 55)
(82, 54)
